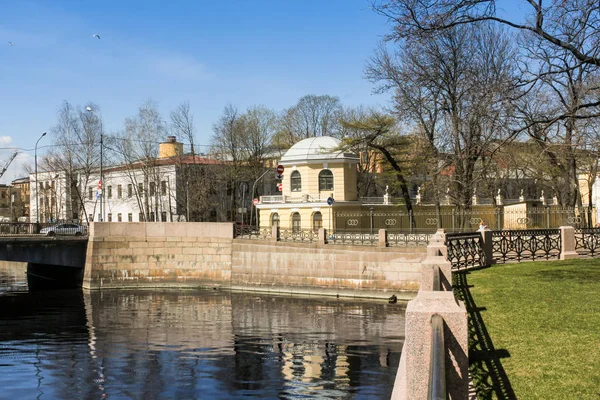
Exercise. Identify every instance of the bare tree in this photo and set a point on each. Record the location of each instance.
(312, 116)
(76, 152)
(182, 124)
(137, 149)
(454, 88)
(228, 147)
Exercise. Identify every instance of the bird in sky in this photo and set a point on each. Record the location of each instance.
(10, 43)
(96, 35)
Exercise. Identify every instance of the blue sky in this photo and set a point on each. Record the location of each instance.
(209, 53)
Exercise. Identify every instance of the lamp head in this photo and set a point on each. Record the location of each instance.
(88, 108)
(43, 134)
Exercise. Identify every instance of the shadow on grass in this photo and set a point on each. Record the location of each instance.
(485, 366)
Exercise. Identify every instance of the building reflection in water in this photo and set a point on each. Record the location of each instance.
(194, 344)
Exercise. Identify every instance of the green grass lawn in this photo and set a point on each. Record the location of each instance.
(540, 326)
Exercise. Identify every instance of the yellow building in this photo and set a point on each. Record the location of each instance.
(314, 171)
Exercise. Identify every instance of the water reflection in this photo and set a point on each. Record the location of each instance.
(171, 344)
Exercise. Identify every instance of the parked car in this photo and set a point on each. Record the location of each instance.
(64, 229)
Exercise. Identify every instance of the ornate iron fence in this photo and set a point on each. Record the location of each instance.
(408, 239)
(251, 232)
(530, 244)
(354, 238)
(465, 250)
(299, 235)
(427, 219)
(587, 242)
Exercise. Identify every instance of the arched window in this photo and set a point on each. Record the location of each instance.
(325, 180)
(317, 221)
(295, 222)
(295, 181)
(275, 219)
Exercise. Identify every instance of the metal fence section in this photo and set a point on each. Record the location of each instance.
(354, 238)
(408, 239)
(465, 250)
(519, 245)
(21, 229)
(298, 235)
(587, 242)
(519, 216)
(251, 232)
(45, 229)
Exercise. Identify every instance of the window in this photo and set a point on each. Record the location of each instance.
(91, 193)
(317, 221)
(130, 217)
(275, 220)
(119, 217)
(140, 188)
(99, 217)
(296, 222)
(109, 217)
(163, 216)
(326, 180)
(109, 194)
(163, 188)
(75, 216)
(119, 191)
(151, 216)
(141, 217)
(152, 188)
(91, 217)
(129, 190)
(295, 181)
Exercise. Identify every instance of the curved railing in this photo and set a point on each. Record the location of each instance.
(465, 250)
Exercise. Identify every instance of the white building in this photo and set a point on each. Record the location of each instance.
(148, 190)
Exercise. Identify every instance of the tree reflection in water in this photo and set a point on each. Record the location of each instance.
(194, 344)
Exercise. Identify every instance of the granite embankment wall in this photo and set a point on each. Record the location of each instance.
(158, 254)
(172, 254)
(311, 268)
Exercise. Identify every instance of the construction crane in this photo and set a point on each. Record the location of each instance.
(10, 160)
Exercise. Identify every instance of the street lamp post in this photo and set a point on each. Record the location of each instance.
(37, 186)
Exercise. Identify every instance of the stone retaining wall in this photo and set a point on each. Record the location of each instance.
(312, 268)
(174, 254)
(157, 254)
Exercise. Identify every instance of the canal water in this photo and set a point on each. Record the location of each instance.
(151, 344)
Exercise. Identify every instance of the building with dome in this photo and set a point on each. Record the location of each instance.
(315, 171)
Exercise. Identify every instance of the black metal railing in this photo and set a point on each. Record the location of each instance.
(531, 244)
(19, 229)
(437, 366)
(465, 250)
(354, 238)
(298, 235)
(44, 229)
(587, 242)
(398, 239)
(251, 232)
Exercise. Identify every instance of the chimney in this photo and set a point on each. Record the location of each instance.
(170, 148)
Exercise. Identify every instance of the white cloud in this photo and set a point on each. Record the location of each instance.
(5, 141)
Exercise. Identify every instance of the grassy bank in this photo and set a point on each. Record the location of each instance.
(535, 329)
